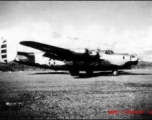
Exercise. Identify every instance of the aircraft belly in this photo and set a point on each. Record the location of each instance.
(96, 65)
(82, 63)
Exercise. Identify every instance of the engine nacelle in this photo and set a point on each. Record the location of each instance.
(80, 51)
(8, 51)
(93, 53)
(86, 51)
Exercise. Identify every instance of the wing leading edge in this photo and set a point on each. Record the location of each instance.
(57, 52)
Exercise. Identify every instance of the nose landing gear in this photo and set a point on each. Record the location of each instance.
(89, 72)
(115, 72)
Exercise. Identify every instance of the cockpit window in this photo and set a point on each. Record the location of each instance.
(109, 52)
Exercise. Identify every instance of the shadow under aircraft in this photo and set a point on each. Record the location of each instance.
(108, 74)
(42, 73)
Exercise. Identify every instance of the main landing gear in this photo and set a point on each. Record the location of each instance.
(74, 72)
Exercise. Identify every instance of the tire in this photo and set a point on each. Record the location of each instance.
(115, 72)
(74, 72)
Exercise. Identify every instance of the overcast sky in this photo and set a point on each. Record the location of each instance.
(123, 26)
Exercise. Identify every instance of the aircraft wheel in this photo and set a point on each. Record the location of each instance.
(74, 72)
(115, 72)
(89, 72)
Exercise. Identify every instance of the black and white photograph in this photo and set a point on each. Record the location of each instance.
(75, 60)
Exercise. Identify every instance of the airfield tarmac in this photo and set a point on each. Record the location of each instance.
(50, 94)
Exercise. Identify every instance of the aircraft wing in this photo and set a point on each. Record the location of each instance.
(60, 53)
(49, 50)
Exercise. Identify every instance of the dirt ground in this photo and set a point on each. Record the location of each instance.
(48, 95)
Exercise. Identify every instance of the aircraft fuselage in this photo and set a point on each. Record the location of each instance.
(106, 62)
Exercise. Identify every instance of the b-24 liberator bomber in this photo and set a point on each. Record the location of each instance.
(74, 61)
